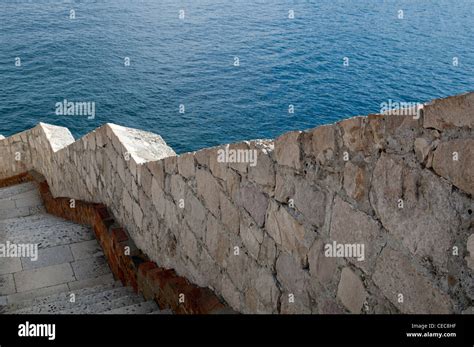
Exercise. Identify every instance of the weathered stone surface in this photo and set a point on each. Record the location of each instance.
(254, 202)
(353, 134)
(43, 277)
(461, 171)
(290, 273)
(251, 234)
(355, 181)
(229, 213)
(186, 166)
(470, 249)
(426, 222)
(351, 291)
(324, 143)
(208, 189)
(310, 201)
(263, 173)
(321, 268)
(450, 112)
(422, 148)
(283, 228)
(396, 274)
(287, 150)
(350, 226)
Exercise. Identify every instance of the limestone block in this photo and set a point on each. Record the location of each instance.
(461, 171)
(186, 165)
(229, 214)
(350, 226)
(450, 112)
(251, 234)
(324, 143)
(284, 185)
(283, 228)
(396, 274)
(254, 202)
(321, 268)
(422, 148)
(351, 291)
(268, 252)
(290, 273)
(310, 201)
(137, 214)
(217, 242)
(194, 211)
(218, 169)
(178, 188)
(263, 173)
(230, 293)
(267, 289)
(355, 181)
(208, 188)
(287, 150)
(190, 244)
(423, 219)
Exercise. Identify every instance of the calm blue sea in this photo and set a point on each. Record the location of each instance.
(190, 61)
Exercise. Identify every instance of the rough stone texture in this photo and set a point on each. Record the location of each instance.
(350, 226)
(451, 112)
(189, 212)
(351, 291)
(426, 223)
(396, 274)
(461, 171)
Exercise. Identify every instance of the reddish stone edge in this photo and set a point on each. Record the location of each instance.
(128, 264)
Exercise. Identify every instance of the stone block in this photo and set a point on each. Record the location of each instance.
(396, 274)
(321, 268)
(86, 249)
(350, 226)
(186, 167)
(208, 188)
(7, 284)
(229, 214)
(461, 171)
(423, 219)
(49, 256)
(287, 150)
(310, 201)
(290, 273)
(323, 143)
(263, 173)
(254, 201)
(450, 112)
(351, 291)
(355, 181)
(43, 277)
(284, 228)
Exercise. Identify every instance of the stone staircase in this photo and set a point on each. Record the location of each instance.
(70, 275)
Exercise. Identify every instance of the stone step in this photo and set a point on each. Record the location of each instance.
(90, 282)
(90, 268)
(140, 308)
(8, 192)
(81, 302)
(46, 231)
(17, 212)
(56, 297)
(103, 306)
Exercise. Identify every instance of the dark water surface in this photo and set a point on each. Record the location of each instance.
(190, 61)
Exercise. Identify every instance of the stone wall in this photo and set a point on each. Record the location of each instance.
(256, 234)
